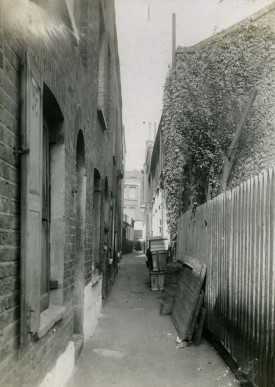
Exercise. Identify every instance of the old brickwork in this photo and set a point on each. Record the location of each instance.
(69, 68)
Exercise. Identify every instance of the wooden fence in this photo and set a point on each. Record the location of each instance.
(234, 234)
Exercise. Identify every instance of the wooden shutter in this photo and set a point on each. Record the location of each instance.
(31, 198)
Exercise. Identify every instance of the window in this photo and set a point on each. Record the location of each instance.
(104, 75)
(106, 205)
(108, 88)
(132, 192)
(43, 188)
(97, 217)
(45, 260)
(83, 25)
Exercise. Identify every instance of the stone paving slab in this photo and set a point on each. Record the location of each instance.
(133, 346)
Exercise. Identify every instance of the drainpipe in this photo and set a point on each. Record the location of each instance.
(173, 39)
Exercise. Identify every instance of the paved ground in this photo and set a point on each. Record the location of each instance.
(134, 346)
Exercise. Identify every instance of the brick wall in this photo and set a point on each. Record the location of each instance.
(71, 73)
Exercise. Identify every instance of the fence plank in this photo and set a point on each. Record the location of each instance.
(271, 316)
(242, 270)
(259, 273)
(255, 269)
(228, 252)
(266, 246)
(235, 272)
(247, 280)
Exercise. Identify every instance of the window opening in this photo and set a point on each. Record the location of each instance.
(45, 259)
(97, 218)
(132, 192)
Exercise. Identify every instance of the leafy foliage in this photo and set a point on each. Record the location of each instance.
(204, 97)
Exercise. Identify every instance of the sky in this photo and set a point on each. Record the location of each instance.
(144, 29)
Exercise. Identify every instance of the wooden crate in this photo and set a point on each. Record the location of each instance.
(158, 244)
(157, 280)
(159, 259)
(161, 278)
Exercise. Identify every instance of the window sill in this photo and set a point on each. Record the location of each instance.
(48, 318)
(102, 119)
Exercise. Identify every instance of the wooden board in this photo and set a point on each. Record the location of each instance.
(187, 297)
(171, 280)
(196, 313)
(157, 280)
(198, 331)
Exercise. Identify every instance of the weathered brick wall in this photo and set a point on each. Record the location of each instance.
(9, 197)
(28, 368)
(73, 79)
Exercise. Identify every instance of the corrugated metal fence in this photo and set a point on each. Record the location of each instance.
(234, 234)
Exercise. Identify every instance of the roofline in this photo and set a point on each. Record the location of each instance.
(257, 15)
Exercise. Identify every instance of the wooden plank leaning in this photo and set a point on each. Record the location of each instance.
(188, 293)
(198, 330)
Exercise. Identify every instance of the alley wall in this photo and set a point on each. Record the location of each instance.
(65, 52)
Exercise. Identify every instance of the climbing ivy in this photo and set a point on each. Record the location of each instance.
(204, 97)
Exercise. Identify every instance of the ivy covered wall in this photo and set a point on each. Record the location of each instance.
(205, 95)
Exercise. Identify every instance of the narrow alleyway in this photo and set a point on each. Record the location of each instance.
(134, 346)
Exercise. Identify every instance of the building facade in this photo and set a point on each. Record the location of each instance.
(128, 235)
(154, 207)
(61, 171)
(133, 199)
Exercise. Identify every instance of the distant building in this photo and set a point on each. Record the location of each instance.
(146, 192)
(133, 199)
(128, 235)
(153, 205)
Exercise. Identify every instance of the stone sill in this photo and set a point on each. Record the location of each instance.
(49, 317)
(101, 118)
(96, 279)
